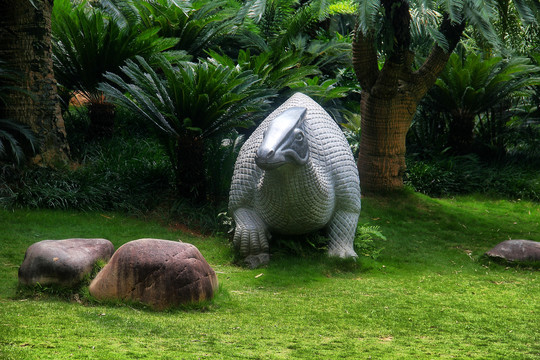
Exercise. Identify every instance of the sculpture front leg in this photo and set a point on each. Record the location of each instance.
(341, 231)
(251, 237)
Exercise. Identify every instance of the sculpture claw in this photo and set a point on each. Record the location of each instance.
(251, 236)
(255, 261)
(343, 253)
(250, 241)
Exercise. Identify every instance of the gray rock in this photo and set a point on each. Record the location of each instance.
(62, 262)
(159, 273)
(516, 250)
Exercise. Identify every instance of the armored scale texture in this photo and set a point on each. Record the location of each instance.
(294, 175)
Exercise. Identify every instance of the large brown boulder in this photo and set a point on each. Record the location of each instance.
(159, 273)
(62, 262)
(516, 250)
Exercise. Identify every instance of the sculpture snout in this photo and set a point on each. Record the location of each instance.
(265, 154)
(265, 158)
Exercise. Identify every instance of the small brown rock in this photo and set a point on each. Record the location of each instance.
(62, 262)
(160, 273)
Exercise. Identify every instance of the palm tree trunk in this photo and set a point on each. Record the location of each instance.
(25, 46)
(390, 96)
(381, 160)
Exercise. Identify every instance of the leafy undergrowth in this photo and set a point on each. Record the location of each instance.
(429, 295)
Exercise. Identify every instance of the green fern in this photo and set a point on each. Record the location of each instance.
(364, 241)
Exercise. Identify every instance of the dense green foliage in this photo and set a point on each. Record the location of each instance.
(469, 174)
(473, 101)
(429, 294)
(194, 102)
(183, 114)
(105, 181)
(89, 41)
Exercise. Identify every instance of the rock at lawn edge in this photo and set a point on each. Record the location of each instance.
(62, 262)
(516, 250)
(159, 273)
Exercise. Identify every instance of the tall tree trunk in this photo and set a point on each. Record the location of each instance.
(384, 126)
(25, 46)
(390, 96)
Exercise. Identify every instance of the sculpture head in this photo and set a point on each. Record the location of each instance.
(284, 141)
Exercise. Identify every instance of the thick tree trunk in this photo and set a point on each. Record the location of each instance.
(25, 46)
(381, 160)
(390, 96)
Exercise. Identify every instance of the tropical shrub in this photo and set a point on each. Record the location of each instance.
(467, 174)
(89, 41)
(474, 95)
(284, 76)
(283, 26)
(188, 103)
(198, 26)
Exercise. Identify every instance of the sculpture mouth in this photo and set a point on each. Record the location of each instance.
(268, 165)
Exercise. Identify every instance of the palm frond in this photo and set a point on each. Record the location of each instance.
(481, 18)
(439, 38)
(528, 10)
(474, 84)
(423, 18)
(205, 97)
(320, 8)
(15, 138)
(297, 24)
(454, 9)
(255, 9)
(88, 42)
(367, 14)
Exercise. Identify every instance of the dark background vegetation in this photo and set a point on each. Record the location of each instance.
(167, 93)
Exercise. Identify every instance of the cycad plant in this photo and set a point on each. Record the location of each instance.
(278, 73)
(198, 25)
(472, 85)
(188, 103)
(283, 28)
(283, 42)
(89, 41)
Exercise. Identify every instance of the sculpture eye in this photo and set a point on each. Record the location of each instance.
(299, 136)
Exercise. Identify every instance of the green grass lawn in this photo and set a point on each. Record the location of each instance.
(429, 295)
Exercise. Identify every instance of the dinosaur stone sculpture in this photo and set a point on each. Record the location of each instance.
(294, 175)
